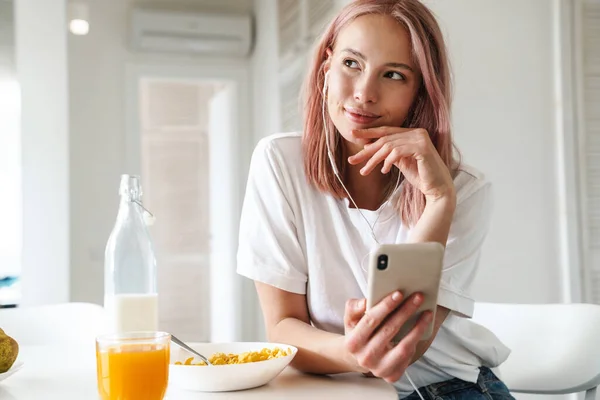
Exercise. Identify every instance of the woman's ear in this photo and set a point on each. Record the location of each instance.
(327, 64)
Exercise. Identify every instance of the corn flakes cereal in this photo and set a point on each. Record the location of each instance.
(247, 357)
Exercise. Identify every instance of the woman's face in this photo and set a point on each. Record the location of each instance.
(372, 79)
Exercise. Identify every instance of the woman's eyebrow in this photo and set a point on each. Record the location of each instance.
(390, 64)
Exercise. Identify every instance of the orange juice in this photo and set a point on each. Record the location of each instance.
(133, 371)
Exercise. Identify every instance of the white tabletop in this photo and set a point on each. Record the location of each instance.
(69, 373)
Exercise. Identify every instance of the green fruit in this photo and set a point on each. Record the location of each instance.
(9, 349)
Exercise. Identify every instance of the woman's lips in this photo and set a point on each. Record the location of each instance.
(359, 116)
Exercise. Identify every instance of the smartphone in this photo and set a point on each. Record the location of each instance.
(409, 268)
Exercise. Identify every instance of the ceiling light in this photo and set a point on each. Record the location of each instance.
(79, 18)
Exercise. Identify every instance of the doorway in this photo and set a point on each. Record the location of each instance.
(187, 138)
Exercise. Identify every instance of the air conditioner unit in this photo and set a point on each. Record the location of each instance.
(191, 32)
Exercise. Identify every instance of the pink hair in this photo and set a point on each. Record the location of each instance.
(430, 110)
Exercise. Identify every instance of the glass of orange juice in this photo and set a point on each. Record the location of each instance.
(133, 365)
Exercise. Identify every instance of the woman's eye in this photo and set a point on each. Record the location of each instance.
(350, 63)
(395, 76)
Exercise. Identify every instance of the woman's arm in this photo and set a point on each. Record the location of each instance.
(287, 321)
(434, 226)
(412, 151)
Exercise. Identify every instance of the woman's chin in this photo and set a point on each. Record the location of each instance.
(352, 146)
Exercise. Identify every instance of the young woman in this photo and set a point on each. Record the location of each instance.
(374, 164)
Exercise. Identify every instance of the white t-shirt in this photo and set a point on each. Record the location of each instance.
(301, 240)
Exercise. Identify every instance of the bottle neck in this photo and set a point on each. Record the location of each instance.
(130, 198)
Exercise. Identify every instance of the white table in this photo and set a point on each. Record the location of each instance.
(69, 373)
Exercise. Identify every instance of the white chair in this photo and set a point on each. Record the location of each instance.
(555, 347)
(54, 323)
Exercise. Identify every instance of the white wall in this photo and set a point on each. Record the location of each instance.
(504, 113)
(267, 119)
(10, 154)
(504, 123)
(41, 65)
(265, 67)
(97, 64)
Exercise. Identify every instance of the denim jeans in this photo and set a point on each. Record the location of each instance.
(487, 387)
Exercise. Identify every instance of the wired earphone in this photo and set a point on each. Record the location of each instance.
(337, 175)
(335, 169)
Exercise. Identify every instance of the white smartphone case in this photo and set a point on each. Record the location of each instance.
(411, 268)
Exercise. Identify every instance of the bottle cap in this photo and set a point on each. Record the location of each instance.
(130, 186)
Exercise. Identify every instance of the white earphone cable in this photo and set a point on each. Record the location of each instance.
(413, 385)
(336, 173)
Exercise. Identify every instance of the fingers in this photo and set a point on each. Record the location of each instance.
(415, 335)
(379, 344)
(370, 149)
(370, 341)
(364, 154)
(355, 309)
(393, 324)
(370, 321)
(378, 132)
(391, 159)
(403, 352)
(390, 149)
(384, 152)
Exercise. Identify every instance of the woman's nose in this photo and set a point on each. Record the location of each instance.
(365, 90)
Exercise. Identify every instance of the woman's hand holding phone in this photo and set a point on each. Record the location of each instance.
(369, 334)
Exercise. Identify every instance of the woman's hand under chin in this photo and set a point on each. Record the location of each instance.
(412, 152)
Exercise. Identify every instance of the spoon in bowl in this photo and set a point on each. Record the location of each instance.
(184, 346)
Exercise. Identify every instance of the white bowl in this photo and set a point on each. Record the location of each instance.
(225, 378)
(12, 370)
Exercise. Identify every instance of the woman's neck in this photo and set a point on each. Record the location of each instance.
(367, 191)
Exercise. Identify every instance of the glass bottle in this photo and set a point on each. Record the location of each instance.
(130, 275)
